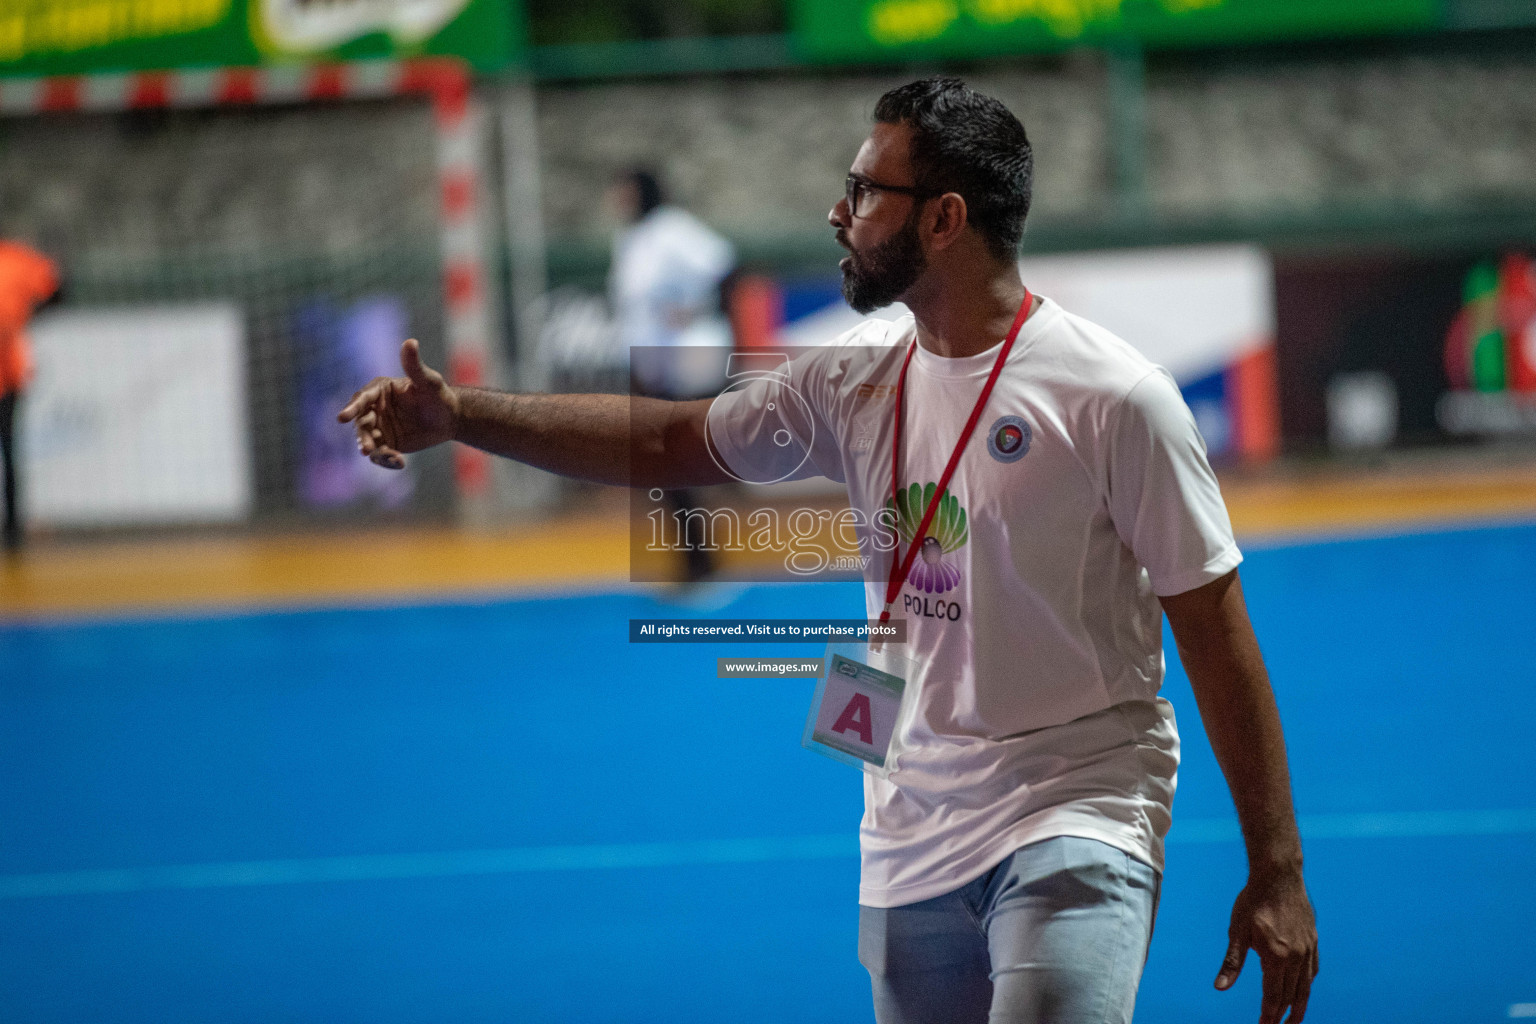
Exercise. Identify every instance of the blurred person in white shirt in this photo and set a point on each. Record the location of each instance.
(667, 285)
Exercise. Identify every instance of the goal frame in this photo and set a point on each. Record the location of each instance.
(459, 146)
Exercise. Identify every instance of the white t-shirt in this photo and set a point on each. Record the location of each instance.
(1033, 617)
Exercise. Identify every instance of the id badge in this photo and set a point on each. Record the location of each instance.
(861, 706)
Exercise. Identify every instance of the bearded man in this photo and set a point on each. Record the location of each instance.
(1011, 862)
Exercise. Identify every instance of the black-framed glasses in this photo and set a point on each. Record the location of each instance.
(856, 187)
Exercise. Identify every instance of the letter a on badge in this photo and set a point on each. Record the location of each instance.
(858, 717)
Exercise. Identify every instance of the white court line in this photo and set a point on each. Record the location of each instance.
(379, 867)
(426, 865)
(1372, 825)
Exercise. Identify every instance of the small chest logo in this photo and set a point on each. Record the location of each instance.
(1008, 439)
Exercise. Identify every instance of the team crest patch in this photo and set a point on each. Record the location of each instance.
(1008, 439)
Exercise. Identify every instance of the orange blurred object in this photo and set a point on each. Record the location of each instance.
(27, 278)
(757, 311)
(1255, 394)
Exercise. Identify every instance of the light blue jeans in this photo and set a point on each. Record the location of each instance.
(1056, 934)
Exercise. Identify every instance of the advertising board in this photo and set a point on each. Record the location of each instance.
(137, 417)
(70, 37)
(836, 30)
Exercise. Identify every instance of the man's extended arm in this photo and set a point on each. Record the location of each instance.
(1272, 914)
(611, 439)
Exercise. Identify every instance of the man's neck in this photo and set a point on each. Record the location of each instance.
(966, 314)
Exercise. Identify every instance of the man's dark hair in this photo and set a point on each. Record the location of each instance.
(648, 191)
(968, 143)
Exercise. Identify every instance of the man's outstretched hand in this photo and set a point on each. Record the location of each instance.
(397, 415)
(1275, 921)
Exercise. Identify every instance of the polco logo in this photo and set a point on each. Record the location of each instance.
(933, 570)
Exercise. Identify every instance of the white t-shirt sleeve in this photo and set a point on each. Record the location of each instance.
(775, 427)
(1163, 497)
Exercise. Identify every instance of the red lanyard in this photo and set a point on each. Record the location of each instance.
(900, 567)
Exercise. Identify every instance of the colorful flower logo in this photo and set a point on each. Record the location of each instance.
(932, 571)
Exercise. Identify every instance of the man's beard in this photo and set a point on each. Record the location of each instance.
(880, 275)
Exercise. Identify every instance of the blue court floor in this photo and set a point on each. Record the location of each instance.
(505, 812)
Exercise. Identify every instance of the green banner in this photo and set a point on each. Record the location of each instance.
(834, 30)
(53, 37)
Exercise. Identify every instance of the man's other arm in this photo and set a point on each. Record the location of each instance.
(610, 439)
(1272, 915)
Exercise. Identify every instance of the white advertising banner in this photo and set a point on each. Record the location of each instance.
(137, 417)
(1192, 310)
